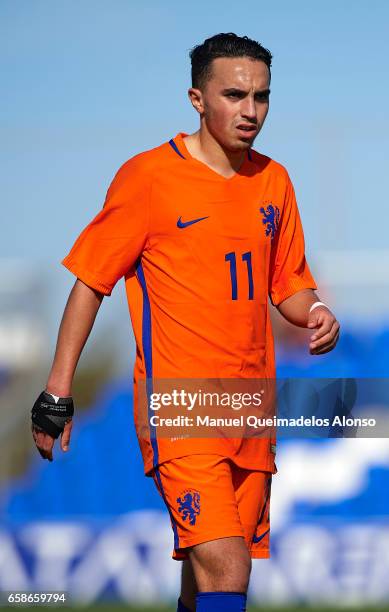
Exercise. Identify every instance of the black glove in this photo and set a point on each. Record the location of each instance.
(52, 416)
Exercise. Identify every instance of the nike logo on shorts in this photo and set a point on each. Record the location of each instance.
(259, 538)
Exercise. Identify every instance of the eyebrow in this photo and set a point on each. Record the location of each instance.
(241, 91)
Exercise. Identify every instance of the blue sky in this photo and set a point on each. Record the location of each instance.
(86, 85)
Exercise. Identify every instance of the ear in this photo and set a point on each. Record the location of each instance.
(196, 98)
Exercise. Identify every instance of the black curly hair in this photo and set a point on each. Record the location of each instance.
(223, 45)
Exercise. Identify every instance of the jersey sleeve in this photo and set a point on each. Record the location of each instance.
(289, 270)
(111, 243)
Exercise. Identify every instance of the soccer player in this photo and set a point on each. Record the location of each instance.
(204, 230)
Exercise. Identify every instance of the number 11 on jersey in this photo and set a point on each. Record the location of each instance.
(246, 257)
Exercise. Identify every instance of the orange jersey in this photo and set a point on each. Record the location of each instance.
(201, 254)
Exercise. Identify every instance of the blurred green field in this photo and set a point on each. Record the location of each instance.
(125, 608)
(297, 608)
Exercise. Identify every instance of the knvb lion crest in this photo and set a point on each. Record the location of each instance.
(189, 505)
(271, 219)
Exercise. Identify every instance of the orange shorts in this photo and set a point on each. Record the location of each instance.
(209, 497)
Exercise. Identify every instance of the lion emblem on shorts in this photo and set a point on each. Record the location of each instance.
(189, 505)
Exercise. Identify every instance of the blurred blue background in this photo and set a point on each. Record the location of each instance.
(84, 87)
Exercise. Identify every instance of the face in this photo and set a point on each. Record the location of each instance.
(234, 98)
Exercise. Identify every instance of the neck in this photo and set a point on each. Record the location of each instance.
(202, 146)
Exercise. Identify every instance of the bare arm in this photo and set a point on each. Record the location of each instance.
(295, 309)
(77, 322)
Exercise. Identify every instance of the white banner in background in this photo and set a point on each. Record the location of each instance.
(127, 560)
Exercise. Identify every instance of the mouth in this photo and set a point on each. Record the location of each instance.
(247, 130)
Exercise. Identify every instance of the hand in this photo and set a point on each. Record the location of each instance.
(327, 330)
(51, 417)
(45, 443)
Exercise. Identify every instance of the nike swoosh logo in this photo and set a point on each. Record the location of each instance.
(258, 539)
(181, 224)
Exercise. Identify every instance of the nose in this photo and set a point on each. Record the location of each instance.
(248, 109)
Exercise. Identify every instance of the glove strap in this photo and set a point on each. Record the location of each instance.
(51, 415)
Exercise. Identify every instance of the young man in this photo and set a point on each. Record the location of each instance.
(204, 229)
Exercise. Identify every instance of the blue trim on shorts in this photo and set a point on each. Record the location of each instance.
(256, 539)
(266, 500)
(176, 538)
